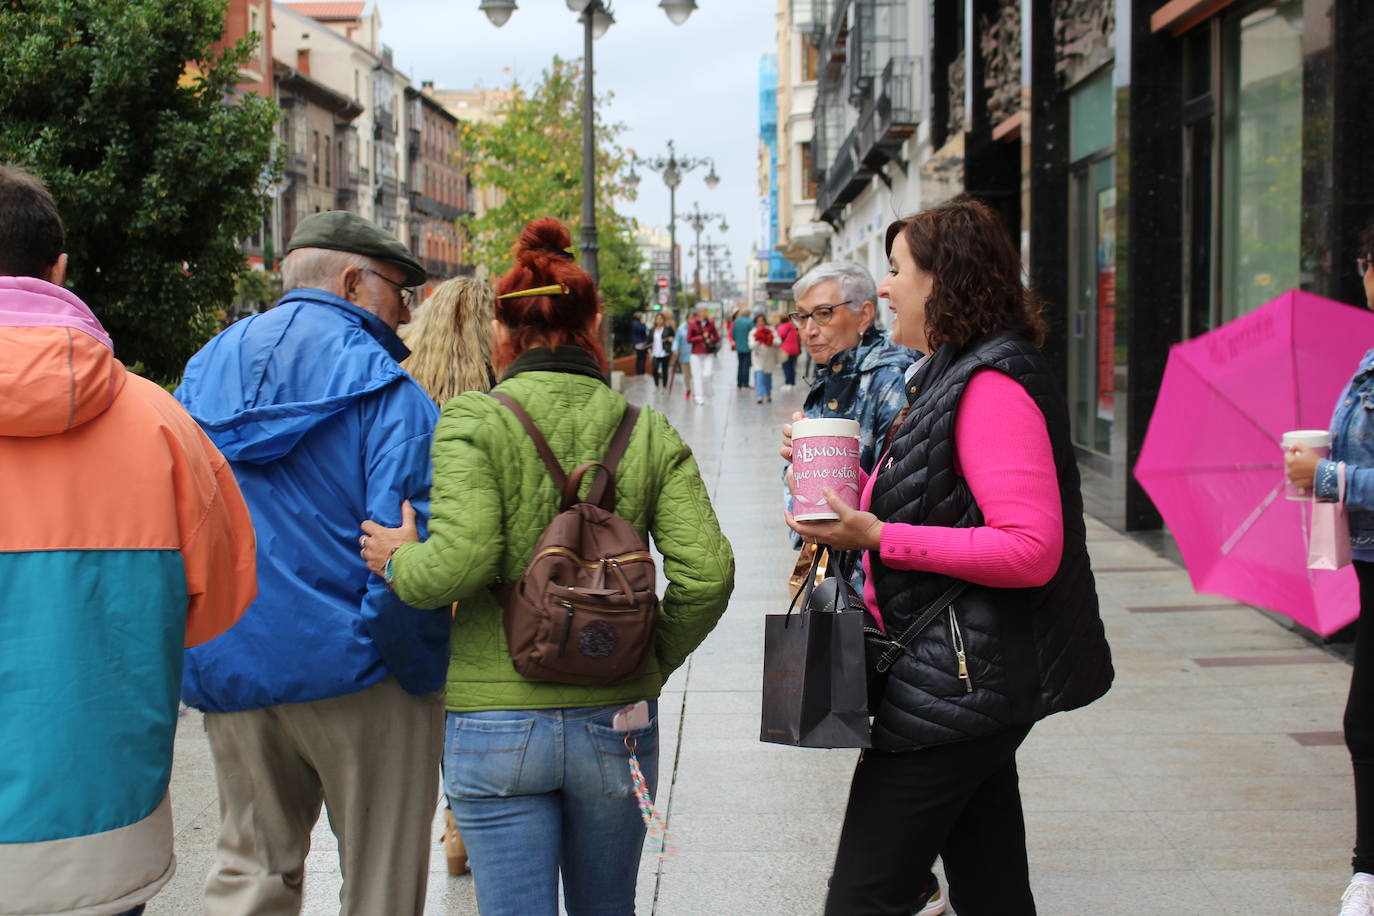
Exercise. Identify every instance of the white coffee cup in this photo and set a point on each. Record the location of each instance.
(1319, 440)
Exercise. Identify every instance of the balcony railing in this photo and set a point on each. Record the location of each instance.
(846, 176)
(895, 110)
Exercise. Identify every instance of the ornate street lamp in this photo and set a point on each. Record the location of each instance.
(596, 18)
(673, 168)
(698, 221)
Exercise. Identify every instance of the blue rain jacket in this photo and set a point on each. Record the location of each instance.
(323, 429)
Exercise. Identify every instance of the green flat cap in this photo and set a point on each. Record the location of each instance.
(341, 230)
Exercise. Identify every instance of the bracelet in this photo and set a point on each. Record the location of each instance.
(387, 575)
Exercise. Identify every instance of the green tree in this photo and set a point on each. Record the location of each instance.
(158, 166)
(532, 155)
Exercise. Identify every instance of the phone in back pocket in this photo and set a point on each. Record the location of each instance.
(628, 718)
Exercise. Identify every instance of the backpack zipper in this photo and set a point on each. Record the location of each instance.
(636, 557)
(957, 639)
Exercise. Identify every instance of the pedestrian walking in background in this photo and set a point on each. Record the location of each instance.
(682, 358)
(1352, 444)
(126, 540)
(790, 341)
(660, 348)
(326, 690)
(705, 342)
(538, 772)
(978, 486)
(740, 329)
(449, 337)
(639, 339)
(764, 352)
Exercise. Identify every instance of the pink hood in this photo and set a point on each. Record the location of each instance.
(57, 365)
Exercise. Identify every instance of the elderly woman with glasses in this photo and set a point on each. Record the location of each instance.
(859, 372)
(1352, 444)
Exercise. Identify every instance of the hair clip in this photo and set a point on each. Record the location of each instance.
(552, 289)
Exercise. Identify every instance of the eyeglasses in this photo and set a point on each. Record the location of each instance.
(1362, 266)
(406, 293)
(821, 314)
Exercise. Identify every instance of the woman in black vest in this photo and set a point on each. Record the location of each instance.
(978, 490)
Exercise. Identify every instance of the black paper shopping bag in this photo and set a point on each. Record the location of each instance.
(815, 689)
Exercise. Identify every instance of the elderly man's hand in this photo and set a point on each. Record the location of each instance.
(378, 543)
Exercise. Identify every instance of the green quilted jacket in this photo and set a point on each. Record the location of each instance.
(492, 498)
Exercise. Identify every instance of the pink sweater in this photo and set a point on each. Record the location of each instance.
(1002, 448)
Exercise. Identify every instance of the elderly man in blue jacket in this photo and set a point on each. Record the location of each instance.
(325, 692)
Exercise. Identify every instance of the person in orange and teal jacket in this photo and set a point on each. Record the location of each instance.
(127, 540)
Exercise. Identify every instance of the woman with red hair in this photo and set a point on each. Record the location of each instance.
(538, 773)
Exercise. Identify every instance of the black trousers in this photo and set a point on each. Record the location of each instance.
(641, 359)
(660, 370)
(1359, 722)
(959, 801)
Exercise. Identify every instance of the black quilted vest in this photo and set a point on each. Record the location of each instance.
(1029, 652)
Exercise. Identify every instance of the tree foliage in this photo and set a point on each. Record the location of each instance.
(158, 166)
(531, 154)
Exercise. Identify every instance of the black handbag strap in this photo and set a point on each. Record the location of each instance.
(897, 646)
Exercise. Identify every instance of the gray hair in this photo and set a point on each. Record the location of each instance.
(318, 268)
(856, 283)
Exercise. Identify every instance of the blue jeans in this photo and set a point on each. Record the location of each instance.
(789, 371)
(537, 792)
(763, 384)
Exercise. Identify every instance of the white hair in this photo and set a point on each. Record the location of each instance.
(318, 268)
(856, 283)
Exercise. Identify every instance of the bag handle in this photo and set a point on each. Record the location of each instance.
(541, 445)
(807, 586)
(897, 646)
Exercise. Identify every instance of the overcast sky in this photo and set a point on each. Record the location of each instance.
(696, 83)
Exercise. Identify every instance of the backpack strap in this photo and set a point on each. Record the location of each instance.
(602, 492)
(541, 445)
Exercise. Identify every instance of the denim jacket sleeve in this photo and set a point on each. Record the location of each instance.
(1359, 485)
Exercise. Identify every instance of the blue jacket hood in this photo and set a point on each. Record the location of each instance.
(266, 381)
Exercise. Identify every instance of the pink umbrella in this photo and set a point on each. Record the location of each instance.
(1213, 466)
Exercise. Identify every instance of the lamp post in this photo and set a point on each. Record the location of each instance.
(596, 18)
(698, 220)
(673, 168)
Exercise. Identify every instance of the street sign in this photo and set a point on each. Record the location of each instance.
(662, 298)
(662, 282)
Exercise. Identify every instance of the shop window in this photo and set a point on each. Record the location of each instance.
(1261, 137)
(1095, 350)
(1242, 134)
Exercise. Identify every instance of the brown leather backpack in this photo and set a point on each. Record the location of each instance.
(585, 609)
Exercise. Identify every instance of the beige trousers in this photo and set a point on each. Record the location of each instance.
(371, 758)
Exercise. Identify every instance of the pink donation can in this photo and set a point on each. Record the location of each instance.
(825, 453)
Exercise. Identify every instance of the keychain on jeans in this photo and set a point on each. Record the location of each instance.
(657, 827)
